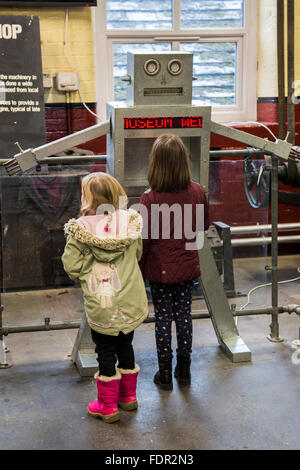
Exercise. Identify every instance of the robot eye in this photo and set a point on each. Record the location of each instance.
(151, 67)
(175, 67)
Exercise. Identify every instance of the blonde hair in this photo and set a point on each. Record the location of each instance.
(100, 188)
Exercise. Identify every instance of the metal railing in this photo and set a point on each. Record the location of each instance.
(274, 311)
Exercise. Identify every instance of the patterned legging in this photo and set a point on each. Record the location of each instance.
(172, 302)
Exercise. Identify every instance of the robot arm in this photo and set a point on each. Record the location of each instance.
(280, 148)
(30, 158)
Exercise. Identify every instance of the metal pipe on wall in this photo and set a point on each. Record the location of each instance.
(236, 153)
(291, 70)
(281, 69)
(69, 160)
(3, 362)
(261, 241)
(263, 228)
(103, 158)
(196, 315)
(47, 326)
(274, 335)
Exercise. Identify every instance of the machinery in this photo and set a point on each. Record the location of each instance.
(256, 180)
(159, 101)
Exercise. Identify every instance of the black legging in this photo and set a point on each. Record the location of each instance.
(110, 348)
(172, 302)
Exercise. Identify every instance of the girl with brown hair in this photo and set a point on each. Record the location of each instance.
(168, 261)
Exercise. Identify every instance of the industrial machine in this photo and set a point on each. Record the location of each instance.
(257, 179)
(159, 101)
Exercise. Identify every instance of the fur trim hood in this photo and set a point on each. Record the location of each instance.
(116, 243)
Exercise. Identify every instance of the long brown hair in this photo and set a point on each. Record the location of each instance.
(100, 188)
(169, 167)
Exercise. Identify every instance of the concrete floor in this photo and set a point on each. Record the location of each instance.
(43, 399)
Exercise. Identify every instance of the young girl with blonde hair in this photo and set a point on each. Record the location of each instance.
(102, 252)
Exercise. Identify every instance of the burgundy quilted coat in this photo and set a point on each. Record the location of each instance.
(168, 260)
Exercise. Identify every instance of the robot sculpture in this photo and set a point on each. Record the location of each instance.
(159, 100)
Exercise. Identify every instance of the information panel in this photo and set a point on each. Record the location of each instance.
(22, 113)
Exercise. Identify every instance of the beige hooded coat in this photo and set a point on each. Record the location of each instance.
(106, 265)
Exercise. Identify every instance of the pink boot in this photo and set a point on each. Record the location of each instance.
(106, 407)
(127, 395)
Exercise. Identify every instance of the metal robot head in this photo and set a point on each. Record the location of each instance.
(161, 78)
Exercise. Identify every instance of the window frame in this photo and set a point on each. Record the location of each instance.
(246, 38)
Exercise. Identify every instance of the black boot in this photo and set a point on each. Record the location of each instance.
(163, 376)
(183, 370)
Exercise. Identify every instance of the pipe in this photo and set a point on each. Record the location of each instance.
(201, 315)
(243, 313)
(103, 158)
(291, 70)
(263, 228)
(236, 153)
(274, 335)
(69, 160)
(281, 68)
(196, 315)
(57, 325)
(260, 241)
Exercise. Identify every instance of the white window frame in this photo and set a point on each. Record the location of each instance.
(246, 39)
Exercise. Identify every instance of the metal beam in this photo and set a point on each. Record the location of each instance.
(261, 241)
(219, 309)
(263, 228)
(30, 158)
(281, 68)
(280, 148)
(291, 70)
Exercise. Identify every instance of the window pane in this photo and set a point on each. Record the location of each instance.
(215, 66)
(212, 14)
(138, 14)
(120, 63)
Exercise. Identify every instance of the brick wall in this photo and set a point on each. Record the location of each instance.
(62, 120)
(229, 204)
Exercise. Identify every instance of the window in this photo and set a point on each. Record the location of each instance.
(139, 15)
(220, 33)
(211, 14)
